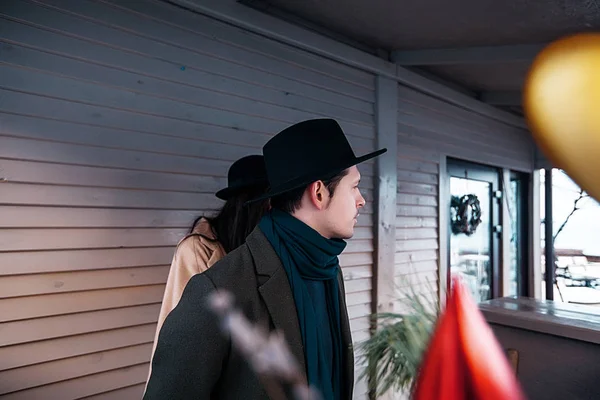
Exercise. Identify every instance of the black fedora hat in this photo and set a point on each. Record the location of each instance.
(244, 173)
(306, 152)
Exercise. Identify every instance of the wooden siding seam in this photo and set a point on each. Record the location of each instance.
(188, 49)
(366, 109)
(147, 113)
(157, 95)
(233, 43)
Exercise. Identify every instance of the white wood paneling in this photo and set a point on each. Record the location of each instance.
(118, 121)
(429, 131)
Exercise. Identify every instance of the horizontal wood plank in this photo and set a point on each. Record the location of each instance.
(69, 217)
(409, 98)
(416, 211)
(71, 346)
(354, 259)
(416, 245)
(356, 298)
(360, 324)
(129, 157)
(417, 200)
(206, 72)
(358, 285)
(416, 222)
(75, 196)
(130, 392)
(50, 239)
(64, 282)
(275, 119)
(459, 148)
(415, 267)
(362, 233)
(416, 154)
(188, 50)
(447, 129)
(416, 233)
(17, 263)
(86, 386)
(417, 177)
(223, 33)
(20, 308)
(417, 188)
(86, 115)
(287, 108)
(56, 371)
(359, 310)
(360, 336)
(17, 171)
(420, 278)
(415, 256)
(68, 325)
(36, 150)
(359, 246)
(102, 218)
(28, 127)
(409, 165)
(358, 272)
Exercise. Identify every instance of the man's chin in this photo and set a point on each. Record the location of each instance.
(347, 235)
(344, 235)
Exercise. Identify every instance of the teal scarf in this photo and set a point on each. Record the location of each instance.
(308, 257)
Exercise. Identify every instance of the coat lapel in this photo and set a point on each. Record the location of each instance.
(346, 339)
(275, 291)
(345, 323)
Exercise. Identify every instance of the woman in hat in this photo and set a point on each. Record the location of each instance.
(210, 238)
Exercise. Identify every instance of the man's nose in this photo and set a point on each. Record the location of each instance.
(361, 201)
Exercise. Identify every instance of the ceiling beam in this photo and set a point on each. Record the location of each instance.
(466, 55)
(501, 98)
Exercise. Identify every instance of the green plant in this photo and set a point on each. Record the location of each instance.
(392, 355)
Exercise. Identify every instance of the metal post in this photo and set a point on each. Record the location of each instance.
(549, 243)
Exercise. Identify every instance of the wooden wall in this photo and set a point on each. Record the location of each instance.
(118, 121)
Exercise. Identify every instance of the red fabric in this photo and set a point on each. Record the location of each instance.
(464, 360)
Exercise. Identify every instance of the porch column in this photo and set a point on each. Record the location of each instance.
(535, 253)
(387, 182)
(549, 243)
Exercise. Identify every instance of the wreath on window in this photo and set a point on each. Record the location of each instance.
(465, 214)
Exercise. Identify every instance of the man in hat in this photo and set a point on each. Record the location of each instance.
(285, 277)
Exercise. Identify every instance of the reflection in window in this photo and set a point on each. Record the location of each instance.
(470, 254)
(512, 197)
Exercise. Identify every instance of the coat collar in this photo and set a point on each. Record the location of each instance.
(275, 290)
(203, 230)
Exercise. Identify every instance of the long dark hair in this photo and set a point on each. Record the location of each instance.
(234, 222)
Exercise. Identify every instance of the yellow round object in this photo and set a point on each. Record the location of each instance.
(561, 101)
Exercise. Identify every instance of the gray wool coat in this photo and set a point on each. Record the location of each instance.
(194, 360)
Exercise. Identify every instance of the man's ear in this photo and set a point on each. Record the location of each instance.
(318, 194)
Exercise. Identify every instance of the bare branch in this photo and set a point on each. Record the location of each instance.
(582, 195)
(267, 353)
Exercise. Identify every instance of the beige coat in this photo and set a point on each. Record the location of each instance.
(194, 254)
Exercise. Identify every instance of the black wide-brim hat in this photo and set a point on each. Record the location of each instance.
(246, 173)
(306, 152)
